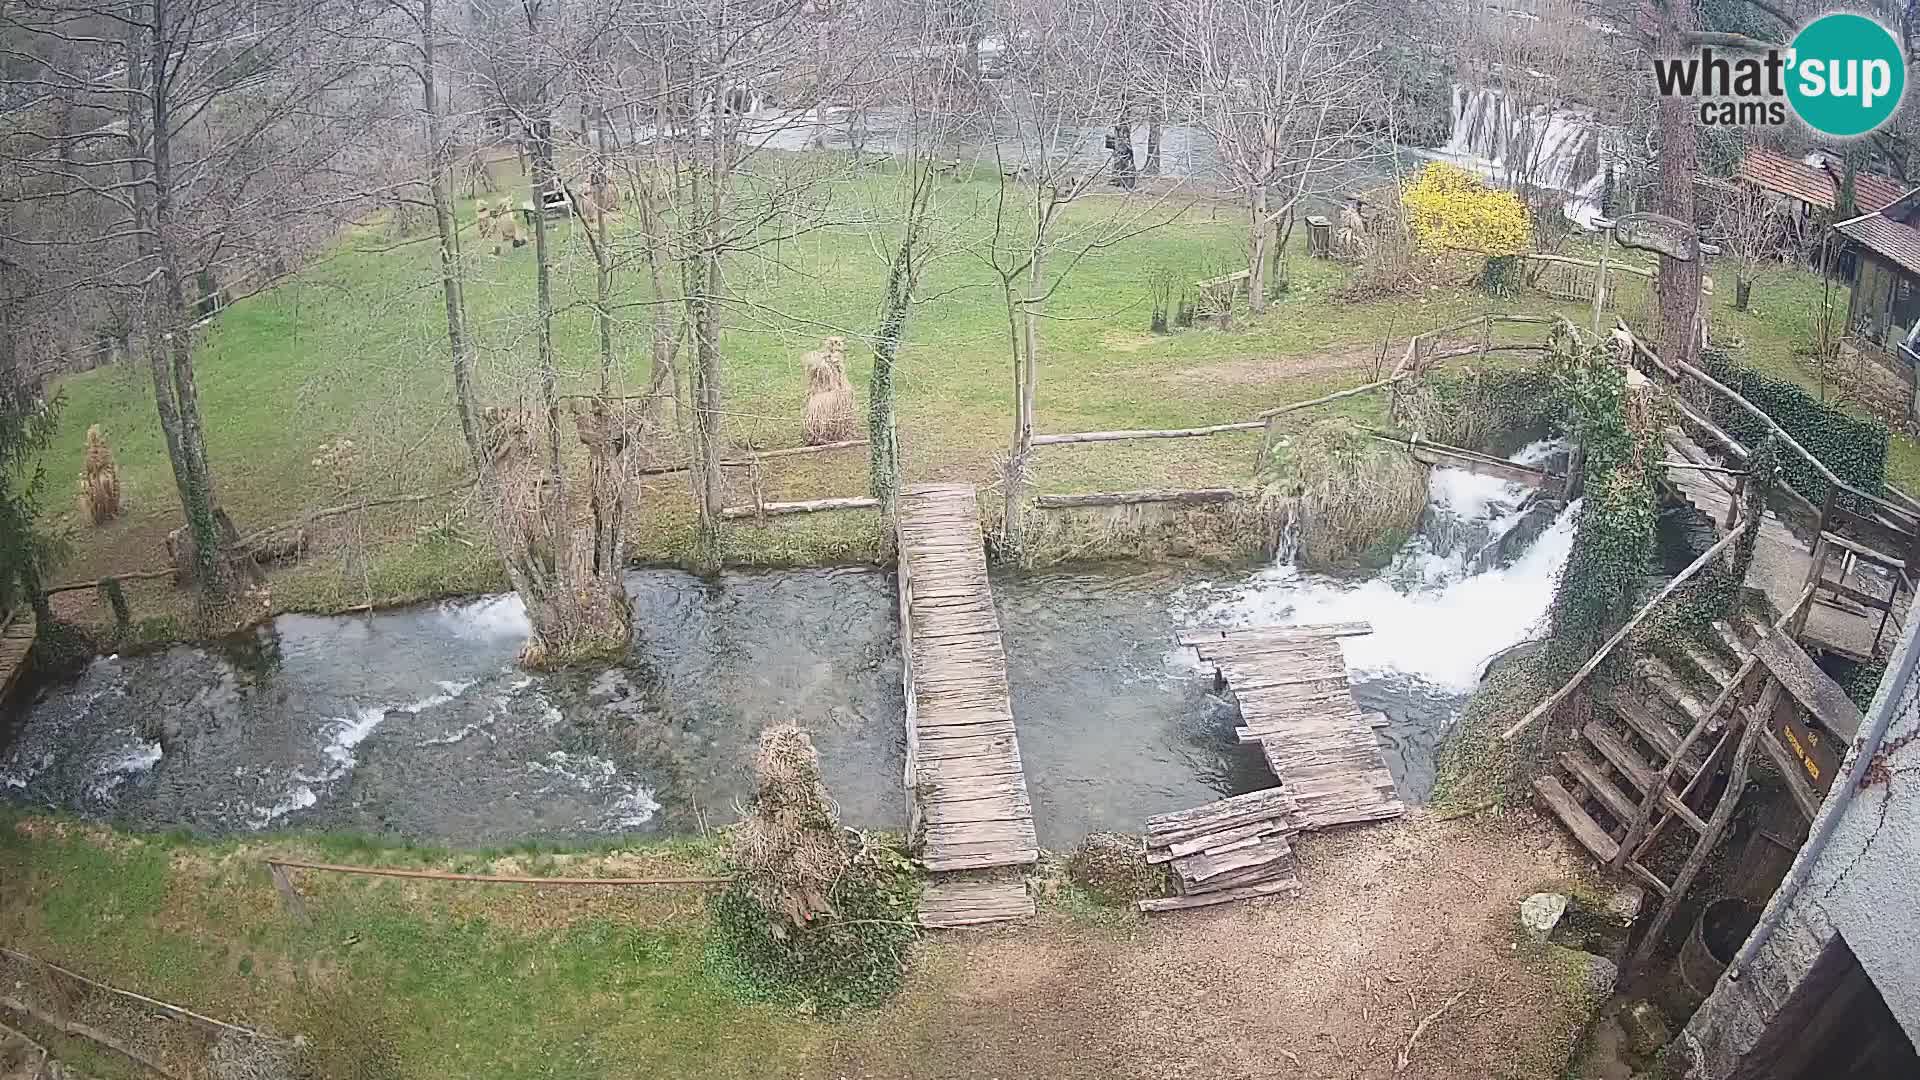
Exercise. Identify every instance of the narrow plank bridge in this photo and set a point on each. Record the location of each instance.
(1295, 702)
(970, 811)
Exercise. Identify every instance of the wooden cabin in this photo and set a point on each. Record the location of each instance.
(1884, 308)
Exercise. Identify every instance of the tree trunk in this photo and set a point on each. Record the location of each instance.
(1742, 292)
(883, 436)
(452, 287)
(1677, 287)
(1256, 250)
(1151, 166)
(1026, 330)
(168, 330)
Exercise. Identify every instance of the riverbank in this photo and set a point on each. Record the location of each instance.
(350, 350)
(512, 981)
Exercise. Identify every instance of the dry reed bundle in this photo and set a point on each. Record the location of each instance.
(830, 413)
(100, 481)
(788, 845)
(1336, 495)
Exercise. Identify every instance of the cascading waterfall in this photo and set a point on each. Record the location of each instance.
(1548, 145)
(1475, 580)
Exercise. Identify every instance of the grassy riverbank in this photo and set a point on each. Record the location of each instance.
(446, 979)
(354, 349)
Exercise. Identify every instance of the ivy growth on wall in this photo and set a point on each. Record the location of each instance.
(1618, 426)
(1855, 449)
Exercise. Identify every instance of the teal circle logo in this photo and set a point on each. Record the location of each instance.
(1845, 75)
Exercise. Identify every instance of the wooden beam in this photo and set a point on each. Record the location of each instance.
(1586, 669)
(1146, 433)
(774, 509)
(754, 458)
(1722, 815)
(1812, 688)
(1125, 498)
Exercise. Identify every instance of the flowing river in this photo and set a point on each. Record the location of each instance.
(417, 723)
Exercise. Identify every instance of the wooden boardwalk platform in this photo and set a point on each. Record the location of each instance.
(16, 641)
(1781, 561)
(1291, 683)
(970, 804)
(1295, 701)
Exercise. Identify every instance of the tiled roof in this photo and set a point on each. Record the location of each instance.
(1813, 185)
(1885, 237)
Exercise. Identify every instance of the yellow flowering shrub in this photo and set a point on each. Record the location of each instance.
(1449, 207)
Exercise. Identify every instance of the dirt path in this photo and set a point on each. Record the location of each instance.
(1395, 920)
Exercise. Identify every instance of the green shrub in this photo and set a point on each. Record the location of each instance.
(856, 955)
(1855, 449)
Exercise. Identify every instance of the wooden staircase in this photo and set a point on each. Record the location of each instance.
(1647, 757)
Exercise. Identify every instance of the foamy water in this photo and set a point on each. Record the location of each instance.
(1433, 616)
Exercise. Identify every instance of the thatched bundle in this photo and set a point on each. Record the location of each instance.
(830, 412)
(788, 845)
(511, 230)
(1339, 497)
(100, 480)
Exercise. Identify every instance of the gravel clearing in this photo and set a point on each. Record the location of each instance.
(1396, 921)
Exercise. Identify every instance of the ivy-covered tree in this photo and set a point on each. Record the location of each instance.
(27, 423)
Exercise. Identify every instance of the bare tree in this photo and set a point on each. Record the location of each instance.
(1065, 86)
(1283, 87)
(235, 128)
(1749, 223)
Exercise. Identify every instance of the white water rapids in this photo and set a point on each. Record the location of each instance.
(1445, 605)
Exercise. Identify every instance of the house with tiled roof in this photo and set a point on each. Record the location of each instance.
(1885, 306)
(1814, 183)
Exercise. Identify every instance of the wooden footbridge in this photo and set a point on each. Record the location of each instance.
(1295, 702)
(970, 811)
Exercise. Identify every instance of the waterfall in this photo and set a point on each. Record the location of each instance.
(1550, 145)
(1444, 606)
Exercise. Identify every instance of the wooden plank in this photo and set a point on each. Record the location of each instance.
(1603, 789)
(1810, 686)
(1246, 892)
(1258, 851)
(1584, 828)
(1623, 757)
(949, 904)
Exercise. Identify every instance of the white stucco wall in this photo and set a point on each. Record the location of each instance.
(1865, 885)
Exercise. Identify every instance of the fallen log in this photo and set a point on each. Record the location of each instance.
(809, 506)
(1125, 498)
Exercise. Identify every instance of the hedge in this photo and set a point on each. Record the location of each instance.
(1855, 449)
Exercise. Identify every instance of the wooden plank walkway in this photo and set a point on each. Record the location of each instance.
(970, 804)
(1781, 560)
(1291, 683)
(15, 642)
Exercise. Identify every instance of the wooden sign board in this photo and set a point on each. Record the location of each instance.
(1815, 748)
(1657, 232)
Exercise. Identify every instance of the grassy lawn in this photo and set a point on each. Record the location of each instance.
(461, 980)
(454, 980)
(354, 348)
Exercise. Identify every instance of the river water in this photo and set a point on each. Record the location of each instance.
(417, 723)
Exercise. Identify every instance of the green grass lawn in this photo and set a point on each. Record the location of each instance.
(354, 348)
(454, 980)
